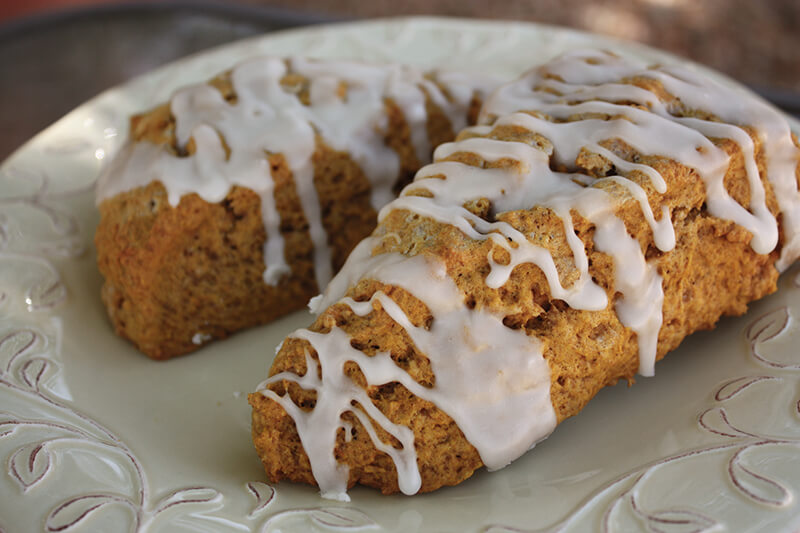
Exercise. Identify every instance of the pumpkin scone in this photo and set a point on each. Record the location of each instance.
(601, 212)
(235, 202)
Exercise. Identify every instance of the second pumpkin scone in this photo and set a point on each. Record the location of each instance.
(603, 212)
(235, 202)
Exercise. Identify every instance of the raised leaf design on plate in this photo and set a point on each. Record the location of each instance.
(65, 226)
(765, 328)
(679, 521)
(17, 176)
(768, 326)
(63, 223)
(46, 294)
(188, 495)
(69, 247)
(715, 420)
(29, 465)
(328, 518)
(73, 511)
(755, 486)
(733, 387)
(69, 242)
(33, 370)
(342, 518)
(264, 495)
(503, 529)
(7, 425)
(13, 345)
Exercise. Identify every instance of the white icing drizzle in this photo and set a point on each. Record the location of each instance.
(268, 118)
(591, 96)
(533, 183)
(590, 82)
(317, 428)
(471, 353)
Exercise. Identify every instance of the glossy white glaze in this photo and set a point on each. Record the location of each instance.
(466, 348)
(269, 118)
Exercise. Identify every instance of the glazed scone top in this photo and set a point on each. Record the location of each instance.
(490, 379)
(346, 106)
(594, 82)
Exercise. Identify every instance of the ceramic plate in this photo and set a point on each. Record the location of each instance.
(96, 437)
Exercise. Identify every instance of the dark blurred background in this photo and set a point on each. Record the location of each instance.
(55, 54)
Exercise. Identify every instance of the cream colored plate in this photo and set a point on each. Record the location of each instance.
(96, 437)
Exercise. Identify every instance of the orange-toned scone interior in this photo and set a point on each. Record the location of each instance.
(711, 271)
(177, 276)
